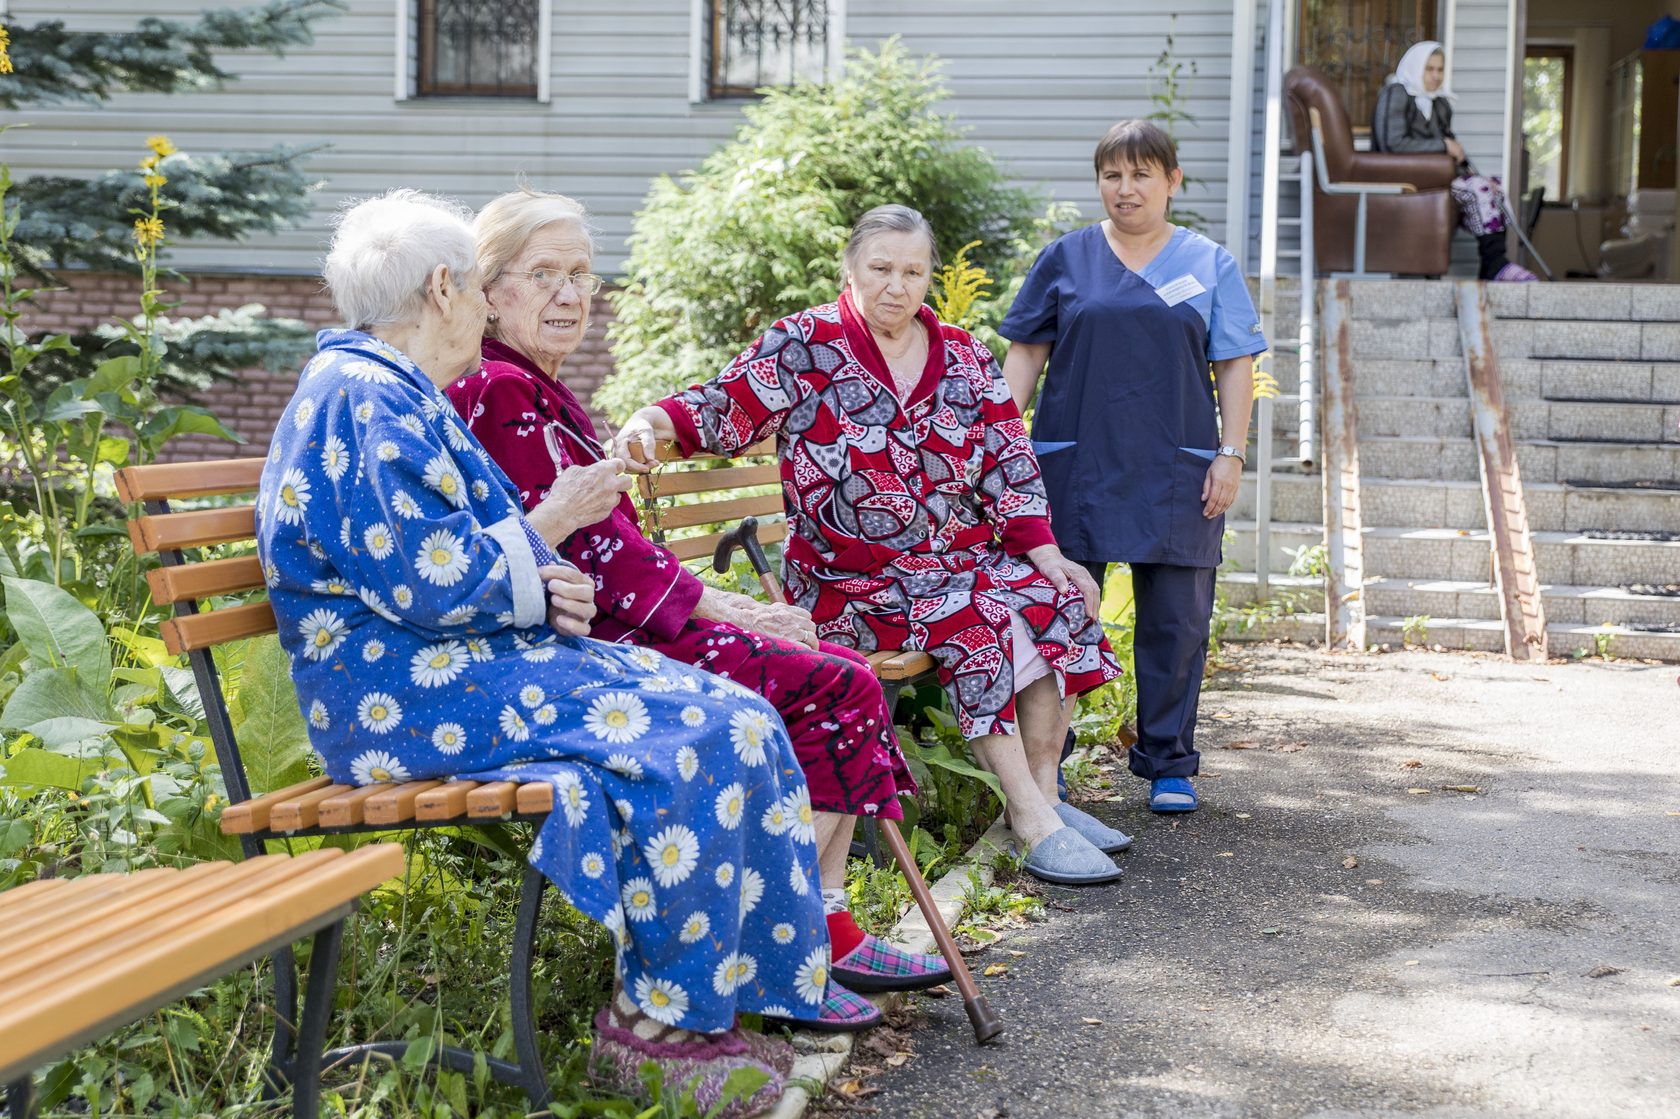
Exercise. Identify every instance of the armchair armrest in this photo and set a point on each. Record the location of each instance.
(1347, 186)
(1424, 170)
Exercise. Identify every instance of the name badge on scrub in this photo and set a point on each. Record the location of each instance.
(1177, 291)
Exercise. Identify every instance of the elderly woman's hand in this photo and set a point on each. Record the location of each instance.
(581, 495)
(571, 599)
(638, 440)
(779, 620)
(1062, 572)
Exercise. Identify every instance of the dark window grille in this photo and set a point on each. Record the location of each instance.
(757, 43)
(1359, 42)
(478, 48)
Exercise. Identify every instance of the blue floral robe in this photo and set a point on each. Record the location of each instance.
(404, 578)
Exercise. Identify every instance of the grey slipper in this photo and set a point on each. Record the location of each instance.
(1068, 859)
(1110, 841)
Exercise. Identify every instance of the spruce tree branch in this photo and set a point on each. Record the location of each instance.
(53, 64)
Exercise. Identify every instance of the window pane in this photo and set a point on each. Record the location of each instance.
(1543, 122)
(1359, 42)
(479, 47)
(766, 42)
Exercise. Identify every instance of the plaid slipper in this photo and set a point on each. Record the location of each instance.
(842, 1013)
(876, 965)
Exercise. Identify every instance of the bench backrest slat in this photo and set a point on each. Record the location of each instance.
(170, 532)
(176, 481)
(231, 623)
(192, 581)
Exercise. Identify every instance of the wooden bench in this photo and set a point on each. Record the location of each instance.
(720, 491)
(86, 955)
(204, 618)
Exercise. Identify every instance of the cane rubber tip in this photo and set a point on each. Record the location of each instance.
(987, 1025)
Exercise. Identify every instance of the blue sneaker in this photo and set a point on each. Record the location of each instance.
(1172, 794)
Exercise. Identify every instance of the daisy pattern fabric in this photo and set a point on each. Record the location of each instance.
(404, 580)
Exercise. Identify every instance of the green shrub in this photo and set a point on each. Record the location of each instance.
(757, 231)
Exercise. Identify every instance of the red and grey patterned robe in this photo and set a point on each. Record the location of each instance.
(906, 522)
(534, 427)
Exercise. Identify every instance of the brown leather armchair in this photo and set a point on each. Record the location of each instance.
(1408, 230)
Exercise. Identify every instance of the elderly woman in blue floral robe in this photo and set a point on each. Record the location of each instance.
(410, 594)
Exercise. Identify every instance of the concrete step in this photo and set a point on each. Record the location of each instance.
(1566, 558)
(1437, 503)
(1451, 598)
(1529, 419)
(1562, 639)
(1541, 460)
(1599, 380)
(1591, 420)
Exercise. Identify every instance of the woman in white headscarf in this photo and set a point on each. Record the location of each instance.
(1414, 114)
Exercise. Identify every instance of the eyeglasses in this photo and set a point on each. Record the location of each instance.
(552, 280)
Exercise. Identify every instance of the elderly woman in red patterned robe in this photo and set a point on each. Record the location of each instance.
(534, 250)
(917, 518)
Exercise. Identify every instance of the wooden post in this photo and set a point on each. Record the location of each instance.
(1344, 577)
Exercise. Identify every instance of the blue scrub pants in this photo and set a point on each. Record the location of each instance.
(1174, 607)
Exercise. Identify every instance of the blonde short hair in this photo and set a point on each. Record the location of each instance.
(504, 225)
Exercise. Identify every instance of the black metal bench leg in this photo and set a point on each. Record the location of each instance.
(866, 840)
(311, 1036)
(533, 1077)
(285, 1022)
(20, 1098)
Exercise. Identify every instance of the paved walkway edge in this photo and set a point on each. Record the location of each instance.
(813, 1071)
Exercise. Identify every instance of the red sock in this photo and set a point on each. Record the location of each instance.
(843, 934)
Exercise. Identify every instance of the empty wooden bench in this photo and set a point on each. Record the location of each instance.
(87, 955)
(205, 618)
(720, 491)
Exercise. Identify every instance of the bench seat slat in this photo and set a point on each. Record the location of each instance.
(299, 812)
(160, 916)
(75, 1000)
(667, 451)
(345, 810)
(448, 801)
(201, 631)
(394, 804)
(45, 898)
(169, 480)
(535, 798)
(161, 532)
(250, 816)
(492, 800)
(99, 914)
(900, 664)
(193, 581)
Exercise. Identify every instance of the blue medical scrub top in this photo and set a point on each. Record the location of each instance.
(1126, 424)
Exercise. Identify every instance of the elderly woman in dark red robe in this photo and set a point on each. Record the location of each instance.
(535, 252)
(917, 518)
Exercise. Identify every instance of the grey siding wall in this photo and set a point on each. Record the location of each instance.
(1037, 84)
(1040, 83)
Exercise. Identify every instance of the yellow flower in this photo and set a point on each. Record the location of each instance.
(153, 180)
(149, 163)
(5, 59)
(161, 145)
(148, 231)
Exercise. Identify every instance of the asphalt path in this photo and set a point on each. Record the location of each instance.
(1340, 932)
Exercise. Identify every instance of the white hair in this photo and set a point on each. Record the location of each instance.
(508, 222)
(385, 249)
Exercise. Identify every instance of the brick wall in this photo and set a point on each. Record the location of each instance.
(252, 401)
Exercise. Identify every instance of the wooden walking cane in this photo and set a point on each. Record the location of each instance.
(987, 1025)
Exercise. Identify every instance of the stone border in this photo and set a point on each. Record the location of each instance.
(822, 1056)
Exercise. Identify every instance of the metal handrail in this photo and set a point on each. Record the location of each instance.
(1306, 356)
(1268, 292)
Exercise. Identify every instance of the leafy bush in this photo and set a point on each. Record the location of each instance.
(757, 231)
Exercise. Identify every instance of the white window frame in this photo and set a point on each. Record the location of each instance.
(406, 13)
(698, 62)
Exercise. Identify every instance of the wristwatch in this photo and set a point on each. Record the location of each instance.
(1233, 452)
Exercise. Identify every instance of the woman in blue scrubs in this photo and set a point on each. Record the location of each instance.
(1141, 450)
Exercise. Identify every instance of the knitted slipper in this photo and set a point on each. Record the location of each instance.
(698, 1069)
(1110, 841)
(842, 1013)
(1068, 859)
(1172, 794)
(876, 965)
(767, 1050)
